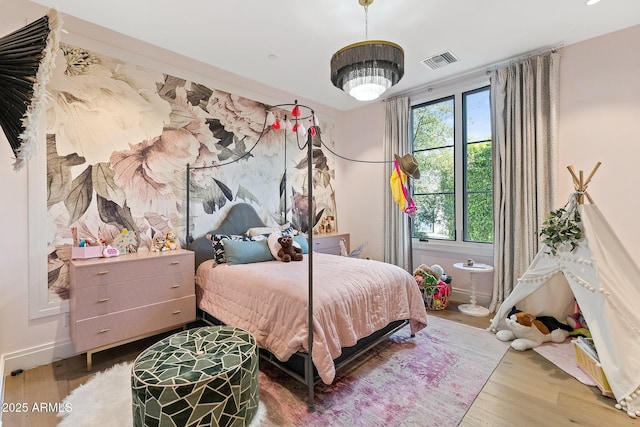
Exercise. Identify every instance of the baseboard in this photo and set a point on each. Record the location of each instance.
(32, 357)
(1, 384)
(36, 356)
(463, 296)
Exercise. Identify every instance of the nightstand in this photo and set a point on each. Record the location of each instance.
(330, 243)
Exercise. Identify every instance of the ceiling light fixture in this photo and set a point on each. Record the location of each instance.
(366, 69)
(591, 2)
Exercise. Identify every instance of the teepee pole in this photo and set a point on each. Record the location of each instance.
(580, 184)
(591, 174)
(577, 184)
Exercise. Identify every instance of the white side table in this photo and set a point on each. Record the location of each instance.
(473, 309)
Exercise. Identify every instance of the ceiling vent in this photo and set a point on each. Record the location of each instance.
(440, 60)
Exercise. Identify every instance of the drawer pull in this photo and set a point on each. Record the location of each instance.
(175, 286)
(102, 331)
(175, 262)
(103, 272)
(104, 299)
(177, 312)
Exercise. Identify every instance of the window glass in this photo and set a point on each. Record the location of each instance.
(449, 195)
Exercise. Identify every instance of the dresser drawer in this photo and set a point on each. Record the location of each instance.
(102, 271)
(329, 243)
(105, 330)
(99, 300)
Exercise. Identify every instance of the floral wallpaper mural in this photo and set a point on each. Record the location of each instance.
(120, 137)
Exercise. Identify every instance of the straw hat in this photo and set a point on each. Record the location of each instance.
(408, 165)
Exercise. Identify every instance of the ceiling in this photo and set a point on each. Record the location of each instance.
(288, 44)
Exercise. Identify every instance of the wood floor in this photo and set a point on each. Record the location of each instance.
(524, 390)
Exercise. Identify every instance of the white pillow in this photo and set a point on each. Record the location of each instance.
(256, 231)
(274, 246)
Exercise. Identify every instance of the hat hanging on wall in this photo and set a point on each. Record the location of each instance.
(409, 165)
(26, 61)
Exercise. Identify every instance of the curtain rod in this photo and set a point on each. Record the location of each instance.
(475, 73)
(522, 57)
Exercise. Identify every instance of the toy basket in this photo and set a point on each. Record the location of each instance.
(590, 366)
(436, 297)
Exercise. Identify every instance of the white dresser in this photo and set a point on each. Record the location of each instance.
(330, 243)
(122, 299)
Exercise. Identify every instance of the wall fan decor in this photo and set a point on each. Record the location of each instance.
(26, 60)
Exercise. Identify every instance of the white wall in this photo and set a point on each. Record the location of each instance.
(17, 332)
(361, 197)
(600, 121)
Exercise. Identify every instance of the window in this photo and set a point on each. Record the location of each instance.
(452, 143)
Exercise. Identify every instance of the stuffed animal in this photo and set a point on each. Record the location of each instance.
(528, 331)
(288, 252)
(159, 241)
(579, 325)
(171, 241)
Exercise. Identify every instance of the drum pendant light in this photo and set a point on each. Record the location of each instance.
(366, 69)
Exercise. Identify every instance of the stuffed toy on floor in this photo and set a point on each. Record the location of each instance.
(528, 331)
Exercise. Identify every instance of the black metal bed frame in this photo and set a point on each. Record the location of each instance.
(301, 366)
(296, 365)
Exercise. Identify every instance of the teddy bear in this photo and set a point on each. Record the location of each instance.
(288, 252)
(528, 331)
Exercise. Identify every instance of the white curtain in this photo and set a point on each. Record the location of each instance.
(524, 99)
(397, 231)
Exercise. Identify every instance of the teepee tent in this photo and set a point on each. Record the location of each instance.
(604, 280)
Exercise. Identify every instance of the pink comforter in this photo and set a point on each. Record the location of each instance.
(352, 298)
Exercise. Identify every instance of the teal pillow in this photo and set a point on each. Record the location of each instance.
(301, 239)
(245, 252)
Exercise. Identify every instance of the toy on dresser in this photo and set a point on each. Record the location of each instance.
(125, 242)
(159, 243)
(166, 242)
(171, 241)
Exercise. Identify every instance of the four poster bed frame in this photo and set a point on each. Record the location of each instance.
(239, 219)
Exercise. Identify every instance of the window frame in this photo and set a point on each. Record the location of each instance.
(442, 91)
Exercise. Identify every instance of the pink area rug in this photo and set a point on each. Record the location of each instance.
(431, 379)
(563, 355)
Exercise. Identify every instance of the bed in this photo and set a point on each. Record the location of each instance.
(356, 302)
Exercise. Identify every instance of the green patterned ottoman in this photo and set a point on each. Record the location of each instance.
(201, 377)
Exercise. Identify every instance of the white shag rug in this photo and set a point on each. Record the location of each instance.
(105, 400)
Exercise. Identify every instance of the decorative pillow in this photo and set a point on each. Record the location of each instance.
(301, 240)
(265, 231)
(274, 246)
(246, 251)
(218, 247)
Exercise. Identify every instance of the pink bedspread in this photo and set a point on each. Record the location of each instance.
(352, 298)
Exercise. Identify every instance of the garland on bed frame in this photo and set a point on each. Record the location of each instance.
(301, 131)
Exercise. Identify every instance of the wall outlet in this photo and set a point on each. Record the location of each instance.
(66, 319)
